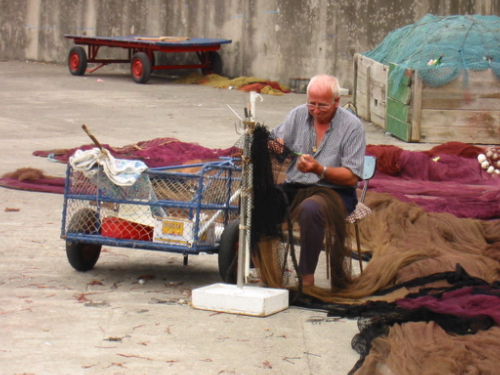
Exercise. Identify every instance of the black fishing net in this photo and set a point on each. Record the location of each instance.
(271, 209)
(269, 202)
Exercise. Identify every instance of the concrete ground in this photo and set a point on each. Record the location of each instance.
(56, 320)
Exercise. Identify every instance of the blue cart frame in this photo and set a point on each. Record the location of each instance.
(204, 196)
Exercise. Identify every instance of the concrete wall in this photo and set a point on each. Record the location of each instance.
(273, 39)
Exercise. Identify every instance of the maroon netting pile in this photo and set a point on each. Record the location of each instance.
(447, 178)
(468, 302)
(158, 152)
(32, 179)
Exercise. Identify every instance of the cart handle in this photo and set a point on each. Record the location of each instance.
(94, 139)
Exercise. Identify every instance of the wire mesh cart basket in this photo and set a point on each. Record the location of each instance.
(183, 209)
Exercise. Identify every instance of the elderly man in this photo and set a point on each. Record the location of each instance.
(331, 144)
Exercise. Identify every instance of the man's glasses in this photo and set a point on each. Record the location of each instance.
(320, 106)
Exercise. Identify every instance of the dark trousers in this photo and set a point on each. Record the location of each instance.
(312, 233)
(312, 221)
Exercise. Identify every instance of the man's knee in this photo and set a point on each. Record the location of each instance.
(311, 209)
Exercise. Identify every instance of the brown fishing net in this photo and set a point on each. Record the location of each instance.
(428, 301)
(436, 331)
(407, 243)
(425, 348)
(403, 297)
(426, 242)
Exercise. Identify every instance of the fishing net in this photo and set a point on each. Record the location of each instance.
(247, 84)
(157, 152)
(269, 209)
(447, 178)
(426, 348)
(410, 333)
(433, 324)
(441, 48)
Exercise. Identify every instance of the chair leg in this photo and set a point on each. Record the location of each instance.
(358, 243)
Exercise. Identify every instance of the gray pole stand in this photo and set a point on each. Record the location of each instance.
(246, 205)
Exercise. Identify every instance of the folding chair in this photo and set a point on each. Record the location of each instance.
(362, 211)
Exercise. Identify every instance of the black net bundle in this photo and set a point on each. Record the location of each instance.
(269, 202)
(270, 247)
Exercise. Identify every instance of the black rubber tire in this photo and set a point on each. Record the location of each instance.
(77, 61)
(228, 252)
(83, 256)
(140, 67)
(215, 64)
(153, 61)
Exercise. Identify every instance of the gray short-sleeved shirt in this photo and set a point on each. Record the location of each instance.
(343, 145)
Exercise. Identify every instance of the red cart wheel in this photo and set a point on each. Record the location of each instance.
(77, 61)
(140, 67)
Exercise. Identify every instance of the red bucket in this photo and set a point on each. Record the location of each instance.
(125, 230)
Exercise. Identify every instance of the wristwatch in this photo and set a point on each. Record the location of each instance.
(322, 175)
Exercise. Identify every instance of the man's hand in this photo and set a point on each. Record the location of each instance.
(307, 164)
(335, 175)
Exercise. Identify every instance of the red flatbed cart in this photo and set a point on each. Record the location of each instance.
(141, 53)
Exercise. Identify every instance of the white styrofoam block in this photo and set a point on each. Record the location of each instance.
(247, 300)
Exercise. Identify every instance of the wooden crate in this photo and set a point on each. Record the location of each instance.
(369, 94)
(415, 112)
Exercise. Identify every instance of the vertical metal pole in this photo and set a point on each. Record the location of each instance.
(246, 197)
(246, 206)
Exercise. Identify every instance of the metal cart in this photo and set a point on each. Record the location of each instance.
(186, 209)
(141, 53)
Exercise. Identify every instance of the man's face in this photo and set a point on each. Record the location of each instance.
(322, 105)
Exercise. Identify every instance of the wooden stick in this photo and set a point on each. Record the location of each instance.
(94, 139)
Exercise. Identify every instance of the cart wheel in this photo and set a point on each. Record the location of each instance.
(83, 256)
(228, 252)
(215, 62)
(77, 61)
(140, 67)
